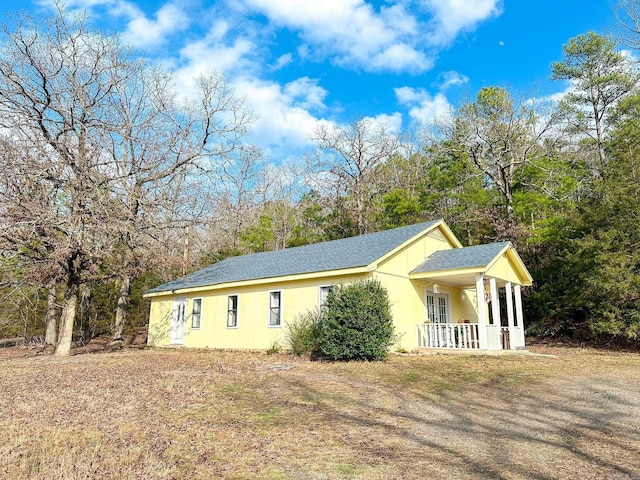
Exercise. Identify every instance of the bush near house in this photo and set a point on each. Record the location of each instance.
(302, 332)
(357, 322)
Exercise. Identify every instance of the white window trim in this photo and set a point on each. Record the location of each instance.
(201, 308)
(226, 318)
(269, 310)
(320, 287)
(446, 294)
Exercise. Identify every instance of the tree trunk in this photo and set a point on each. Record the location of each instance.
(121, 309)
(51, 333)
(67, 318)
(69, 305)
(85, 312)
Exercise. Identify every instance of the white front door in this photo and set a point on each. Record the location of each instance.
(178, 320)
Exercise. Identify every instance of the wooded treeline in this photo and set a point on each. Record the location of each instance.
(110, 176)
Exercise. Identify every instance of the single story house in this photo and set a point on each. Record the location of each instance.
(443, 295)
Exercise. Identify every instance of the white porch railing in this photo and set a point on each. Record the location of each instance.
(448, 335)
(517, 338)
(494, 337)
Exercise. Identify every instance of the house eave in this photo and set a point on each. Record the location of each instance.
(260, 281)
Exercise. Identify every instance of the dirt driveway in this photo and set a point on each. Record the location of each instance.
(171, 414)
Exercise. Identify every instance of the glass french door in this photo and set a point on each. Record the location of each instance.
(437, 307)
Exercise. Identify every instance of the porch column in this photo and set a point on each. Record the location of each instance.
(519, 316)
(512, 331)
(482, 316)
(495, 301)
(495, 312)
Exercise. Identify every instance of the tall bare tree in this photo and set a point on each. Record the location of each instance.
(163, 149)
(31, 209)
(236, 191)
(107, 138)
(349, 156)
(628, 13)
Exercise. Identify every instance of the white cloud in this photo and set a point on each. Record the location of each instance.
(552, 98)
(352, 32)
(453, 16)
(424, 107)
(305, 93)
(391, 123)
(630, 55)
(140, 32)
(285, 118)
(203, 55)
(284, 121)
(452, 78)
(148, 34)
(283, 61)
(399, 57)
(215, 52)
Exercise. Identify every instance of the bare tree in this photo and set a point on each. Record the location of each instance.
(31, 213)
(349, 157)
(236, 191)
(628, 13)
(162, 151)
(105, 140)
(55, 82)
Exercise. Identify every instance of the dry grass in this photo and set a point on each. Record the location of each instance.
(172, 414)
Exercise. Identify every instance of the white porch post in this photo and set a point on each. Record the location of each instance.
(495, 301)
(495, 310)
(482, 318)
(512, 331)
(519, 316)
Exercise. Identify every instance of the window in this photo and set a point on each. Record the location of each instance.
(437, 307)
(232, 311)
(196, 313)
(323, 293)
(275, 309)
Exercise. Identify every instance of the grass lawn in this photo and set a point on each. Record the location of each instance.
(195, 414)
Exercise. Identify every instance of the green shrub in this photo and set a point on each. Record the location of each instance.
(301, 333)
(274, 348)
(357, 323)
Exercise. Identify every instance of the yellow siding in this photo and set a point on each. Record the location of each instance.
(407, 306)
(160, 321)
(406, 296)
(412, 255)
(504, 270)
(468, 305)
(253, 331)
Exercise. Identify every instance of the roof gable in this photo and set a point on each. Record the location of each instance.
(353, 252)
(460, 265)
(477, 256)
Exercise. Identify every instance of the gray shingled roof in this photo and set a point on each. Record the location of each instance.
(333, 255)
(466, 257)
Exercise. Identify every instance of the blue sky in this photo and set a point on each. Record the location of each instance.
(302, 64)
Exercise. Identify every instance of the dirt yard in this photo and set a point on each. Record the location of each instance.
(193, 414)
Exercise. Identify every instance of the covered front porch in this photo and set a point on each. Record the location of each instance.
(472, 299)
